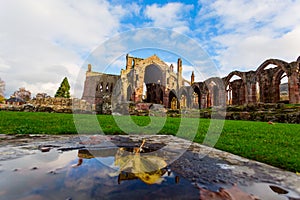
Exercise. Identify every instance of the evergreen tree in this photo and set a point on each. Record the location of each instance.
(64, 89)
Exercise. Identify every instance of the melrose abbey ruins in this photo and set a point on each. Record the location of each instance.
(152, 81)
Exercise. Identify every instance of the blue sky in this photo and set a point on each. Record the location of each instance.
(44, 41)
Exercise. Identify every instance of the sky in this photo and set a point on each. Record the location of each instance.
(41, 42)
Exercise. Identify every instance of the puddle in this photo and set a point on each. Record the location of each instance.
(225, 166)
(255, 191)
(271, 191)
(71, 173)
(77, 174)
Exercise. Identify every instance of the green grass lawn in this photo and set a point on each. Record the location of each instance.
(277, 145)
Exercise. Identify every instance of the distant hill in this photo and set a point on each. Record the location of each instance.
(284, 92)
(284, 87)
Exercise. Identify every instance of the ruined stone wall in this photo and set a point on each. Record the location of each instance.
(262, 85)
(238, 92)
(132, 80)
(134, 77)
(98, 89)
(267, 112)
(56, 104)
(253, 87)
(53, 104)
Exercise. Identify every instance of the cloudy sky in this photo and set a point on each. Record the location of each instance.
(43, 41)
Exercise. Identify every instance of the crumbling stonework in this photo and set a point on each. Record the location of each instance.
(98, 88)
(151, 80)
(267, 112)
(147, 80)
(263, 85)
(53, 104)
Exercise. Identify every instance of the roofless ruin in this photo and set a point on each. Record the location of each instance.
(151, 80)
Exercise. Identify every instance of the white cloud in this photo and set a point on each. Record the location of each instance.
(250, 52)
(171, 15)
(3, 65)
(250, 32)
(44, 41)
(132, 9)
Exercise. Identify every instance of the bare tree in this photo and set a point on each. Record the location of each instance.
(23, 94)
(2, 87)
(42, 95)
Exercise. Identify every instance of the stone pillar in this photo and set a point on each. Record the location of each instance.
(276, 88)
(266, 86)
(294, 83)
(294, 89)
(208, 99)
(166, 99)
(229, 96)
(128, 62)
(203, 100)
(138, 84)
(171, 68)
(89, 68)
(192, 78)
(179, 74)
(250, 87)
(238, 92)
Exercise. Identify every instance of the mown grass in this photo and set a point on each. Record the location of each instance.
(277, 145)
(36, 123)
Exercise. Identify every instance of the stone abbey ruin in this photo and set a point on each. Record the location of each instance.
(152, 81)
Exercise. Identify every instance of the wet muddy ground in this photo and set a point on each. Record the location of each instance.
(88, 167)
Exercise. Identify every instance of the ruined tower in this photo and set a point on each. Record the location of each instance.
(192, 77)
(179, 73)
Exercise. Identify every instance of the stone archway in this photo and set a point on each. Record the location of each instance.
(280, 63)
(215, 92)
(153, 78)
(149, 79)
(269, 79)
(236, 91)
(196, 98)
(276, 82)
(185, 95)
(173, 100)
(283, 89)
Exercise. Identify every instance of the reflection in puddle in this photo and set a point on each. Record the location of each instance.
(147, 168)
(80, 175)
(271, 191)
(232, 193)
(278, 190)
(255, 191)
(113, 173)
